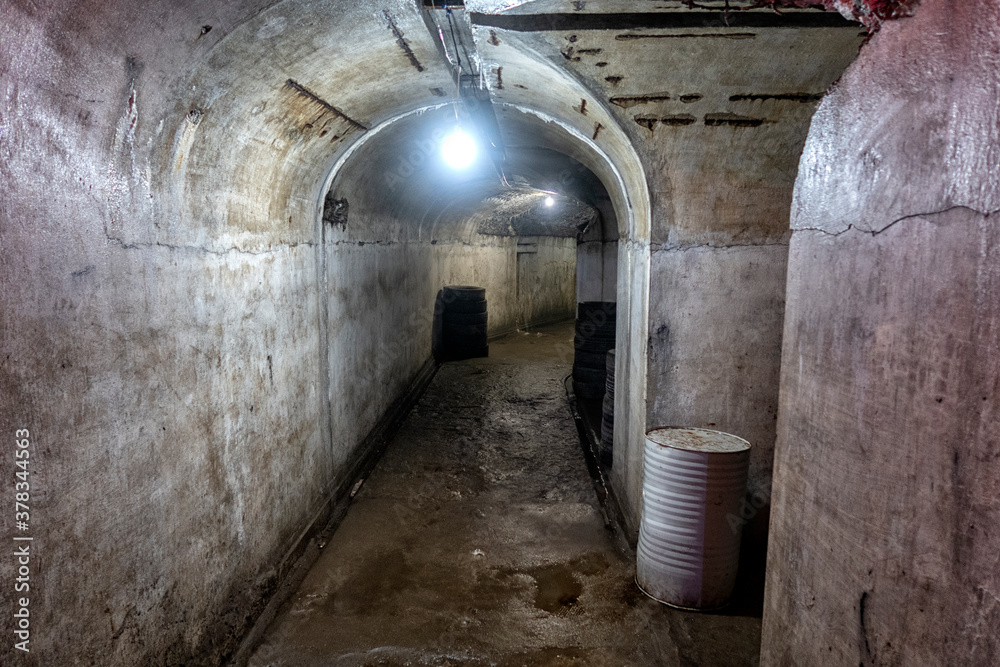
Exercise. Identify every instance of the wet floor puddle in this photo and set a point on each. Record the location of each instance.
(557, 587)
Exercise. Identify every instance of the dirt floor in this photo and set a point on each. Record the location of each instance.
(478, 540)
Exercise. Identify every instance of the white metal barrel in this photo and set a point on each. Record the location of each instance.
(689, 543)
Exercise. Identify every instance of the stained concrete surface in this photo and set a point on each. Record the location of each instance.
(478, 539)
(886, 524)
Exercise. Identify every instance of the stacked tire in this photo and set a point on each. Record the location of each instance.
(606, 450)
(463, 323)
(595, 335)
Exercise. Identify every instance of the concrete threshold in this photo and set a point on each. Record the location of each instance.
(478, 539)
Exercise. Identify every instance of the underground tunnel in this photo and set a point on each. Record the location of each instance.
(234, 435)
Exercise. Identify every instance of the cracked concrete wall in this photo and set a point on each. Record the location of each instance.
(884, 535)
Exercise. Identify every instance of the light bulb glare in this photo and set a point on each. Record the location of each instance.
(458, 150)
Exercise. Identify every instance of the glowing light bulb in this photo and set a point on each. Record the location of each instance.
(458, 150)
(549, 201)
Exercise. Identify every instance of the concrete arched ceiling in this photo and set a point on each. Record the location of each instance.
(683, 90)
(236, 139)
(227, 121)
(397, 186)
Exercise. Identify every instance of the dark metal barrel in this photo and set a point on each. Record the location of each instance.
(606, 450)
(463, 323)
(595, 335)
(693, 484)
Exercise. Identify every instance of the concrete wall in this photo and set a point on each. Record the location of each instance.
(597, 258)
(156, 367)
(546, 279)
(886, 523)
(597, 271)
(630, 377)
(715, 341)
(381, 308)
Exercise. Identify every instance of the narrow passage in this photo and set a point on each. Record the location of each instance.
(478, 540)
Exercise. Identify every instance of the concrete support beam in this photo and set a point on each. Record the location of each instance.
(885, 531)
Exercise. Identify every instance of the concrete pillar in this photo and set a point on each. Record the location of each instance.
(885, 529)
